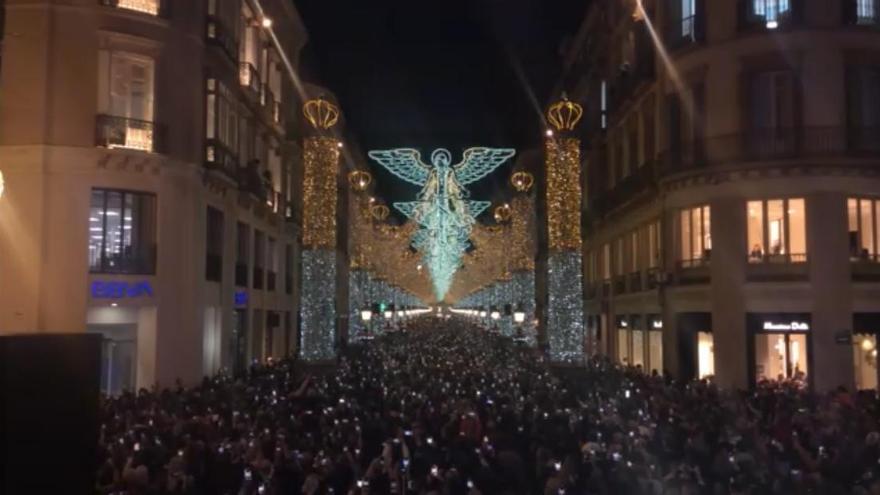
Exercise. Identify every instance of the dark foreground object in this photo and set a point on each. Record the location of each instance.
(49, 413)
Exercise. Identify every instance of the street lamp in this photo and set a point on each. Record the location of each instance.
(366, 314)
(519, 316)
(388, 314)
(495, 314)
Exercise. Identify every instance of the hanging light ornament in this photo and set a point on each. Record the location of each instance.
(321, 113)
(522, 181)
(503, 213)
(379, 212)
(564, 114)
(359, 180)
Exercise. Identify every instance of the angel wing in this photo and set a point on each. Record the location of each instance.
(405, 163)
(480, 162)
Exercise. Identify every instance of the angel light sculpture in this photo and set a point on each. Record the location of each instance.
(442, 211)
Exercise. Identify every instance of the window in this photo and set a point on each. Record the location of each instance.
(695, 240)
(648, 131)
(705, 355)
(777, 230)
(122, 232)
(771, 109)
(144, 6)
(864, 229)
(288, 269)
(259, 258)
(688, 14)
(249, 51)
(634, 252)
(603, 104)
(242, 250)
(653, 244)
(125, 100)
(214, 245)
(866, 11)
(606, 261)
(223, 25)
(771, 12)
(619, 256)
(863, 107)
(272, 267)
(221, 126)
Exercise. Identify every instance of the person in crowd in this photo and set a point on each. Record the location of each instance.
(448, 408)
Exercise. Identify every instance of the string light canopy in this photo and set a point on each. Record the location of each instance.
(442, 212)
(564, 114)
(359, 180)
(321, 113)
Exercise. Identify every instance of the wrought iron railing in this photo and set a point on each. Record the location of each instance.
(122, 132)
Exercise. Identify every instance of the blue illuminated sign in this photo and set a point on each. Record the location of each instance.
(240, 298)
(119, 289)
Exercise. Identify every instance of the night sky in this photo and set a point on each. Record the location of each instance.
(427, 74)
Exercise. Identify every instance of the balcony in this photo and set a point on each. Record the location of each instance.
(157, 8)
(214, 267)
(241, 274)
(126, 133)
(693, 271)
(865, 267)
(772, 145)
(777, 268)
(219, 157)
(249, 78)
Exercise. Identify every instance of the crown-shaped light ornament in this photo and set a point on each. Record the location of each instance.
(522, 181)
(503, 213)
(564, 114)
(379, 212)
(321, 113)
(359, 180)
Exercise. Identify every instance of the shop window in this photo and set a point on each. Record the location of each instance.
(864, 226)
(781, 356)
(695, 239)
(122, 232)
(777, 231)
(705, 355)
(655, 347)
(638, 348)
(865, 361)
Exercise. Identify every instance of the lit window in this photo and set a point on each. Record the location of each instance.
(653, 244)
(771, 11)
(866, 11)
(695, 228)
(864, 227)
(705, 355)
(688, 14)
(144, 6)
(125, 100)
(777, 230)
(221, 126)
(865, 361)
(122, 232)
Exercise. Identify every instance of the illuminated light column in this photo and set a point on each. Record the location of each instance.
(565, 322)
(522, 251)
(320, 160)
(360, 230)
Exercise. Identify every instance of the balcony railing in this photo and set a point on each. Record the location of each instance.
(219, 157)
(620, 284)
(241, 274)
(758, 258)
(635, 282)
(214, 267)
(866, 267)
(159, 8)
(693, 263)
(652, 278)
(249, 78)
(126, 133)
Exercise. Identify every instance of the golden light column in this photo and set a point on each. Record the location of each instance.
(321, 153)
(562, 159)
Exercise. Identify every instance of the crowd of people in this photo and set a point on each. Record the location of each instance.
(444, 407)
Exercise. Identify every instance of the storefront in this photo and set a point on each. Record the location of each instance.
(779, 346)
(123, 313)
(696, 344)
(864, 343)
